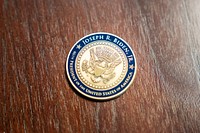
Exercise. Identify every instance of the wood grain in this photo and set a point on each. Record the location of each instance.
(36, 36)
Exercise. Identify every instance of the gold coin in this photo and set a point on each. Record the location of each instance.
(101, 66)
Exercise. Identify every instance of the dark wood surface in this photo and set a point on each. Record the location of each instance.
(35, 39)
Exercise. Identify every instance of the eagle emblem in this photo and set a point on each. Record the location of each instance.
(101, 64)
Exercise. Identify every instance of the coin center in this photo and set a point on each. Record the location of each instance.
(101, 65)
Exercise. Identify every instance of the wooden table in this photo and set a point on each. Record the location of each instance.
(35, 39)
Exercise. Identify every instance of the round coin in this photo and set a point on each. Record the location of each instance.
(101, 66)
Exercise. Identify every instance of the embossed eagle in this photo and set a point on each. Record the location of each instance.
(101, 64)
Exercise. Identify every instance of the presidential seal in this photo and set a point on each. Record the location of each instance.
(101, 66)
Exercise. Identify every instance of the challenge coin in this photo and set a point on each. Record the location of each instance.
(101, 66)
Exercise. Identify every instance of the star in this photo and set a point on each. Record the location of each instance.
(131, 66)
(78, 46)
